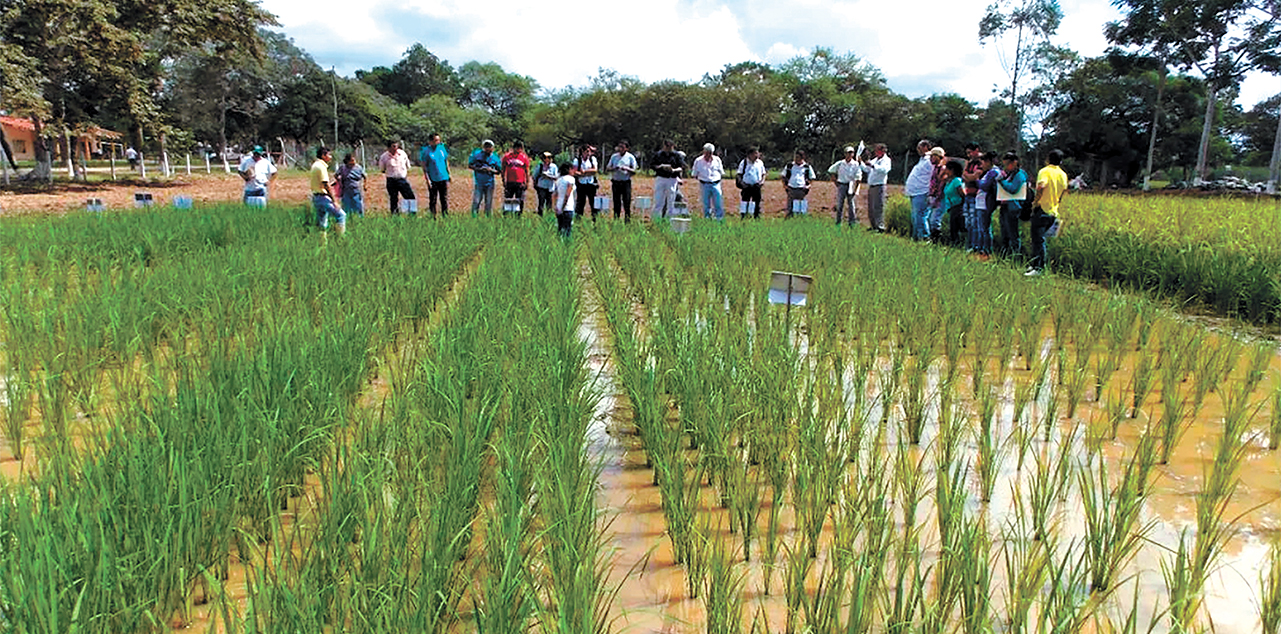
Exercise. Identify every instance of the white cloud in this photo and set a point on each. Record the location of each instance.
(782, 51)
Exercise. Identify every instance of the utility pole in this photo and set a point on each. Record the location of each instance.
(333, 76)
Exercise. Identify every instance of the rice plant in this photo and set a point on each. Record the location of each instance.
(1113, 533)
(1270, 592)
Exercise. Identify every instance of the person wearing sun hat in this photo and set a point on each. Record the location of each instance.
(258, 172)
(545, 178)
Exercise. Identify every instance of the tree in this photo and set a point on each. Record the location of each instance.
(418, 74)
(1221, 39)
(95, 56)
(506, 97)
(1031, 24)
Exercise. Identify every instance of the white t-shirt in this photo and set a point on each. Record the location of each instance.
(706, 170)
(262, 170)
(798, 174)
(589, 164)
(753, 174)
(565, 193)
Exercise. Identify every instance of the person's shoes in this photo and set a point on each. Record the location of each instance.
(983, 257)
(1032, 272)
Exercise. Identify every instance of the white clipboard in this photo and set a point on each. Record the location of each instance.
(1003, 194)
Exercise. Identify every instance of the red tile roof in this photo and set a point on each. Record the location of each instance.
(16, 123)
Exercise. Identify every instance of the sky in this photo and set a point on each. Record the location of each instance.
(923, 47)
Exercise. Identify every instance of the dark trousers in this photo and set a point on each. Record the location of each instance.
(752, 195)
(585, 198)
(622, 191)
(956, 223)
(1040, 222)
(397, 187)
(438, 189)
(514, 190)
(565, 222)
(545, 200)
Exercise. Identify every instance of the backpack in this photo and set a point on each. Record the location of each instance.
(1031, 192)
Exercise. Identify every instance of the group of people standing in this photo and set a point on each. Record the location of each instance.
(970, 192)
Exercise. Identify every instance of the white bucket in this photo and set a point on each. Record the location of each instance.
(511, 205)
(182, 202)
(95, 205)
(143, 199)
(256, 201)
(680, 225)
(601, 203)
(409, 206)
(800, 206)
(643, 203)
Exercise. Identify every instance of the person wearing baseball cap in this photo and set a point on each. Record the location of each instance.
(484, 164)
(258, 172)
(848, 173)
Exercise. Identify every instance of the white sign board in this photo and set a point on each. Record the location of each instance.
(789, 288)
(680, 224)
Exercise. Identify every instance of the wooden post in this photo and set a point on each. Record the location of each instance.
(188, 163)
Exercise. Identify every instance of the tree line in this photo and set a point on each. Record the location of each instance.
(198, 78)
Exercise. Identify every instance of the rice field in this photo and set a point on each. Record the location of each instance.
(1220, 254)
(214, 420)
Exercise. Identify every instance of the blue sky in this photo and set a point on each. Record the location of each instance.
(923, 47)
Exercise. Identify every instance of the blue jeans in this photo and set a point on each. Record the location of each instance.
(1011, 243)
(485, 194)
(324, 209)
(971, 223)
(249, 193)
(983, 230)
(920, 207)
(353, 201)
(936, 221)
(1040, 222)
(713, 200)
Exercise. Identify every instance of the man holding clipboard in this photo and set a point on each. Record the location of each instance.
(1011, 194)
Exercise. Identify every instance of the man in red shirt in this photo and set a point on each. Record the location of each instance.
(516, 166)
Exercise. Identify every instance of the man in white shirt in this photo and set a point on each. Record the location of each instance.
(917, 189)
(848, 173)
(878, 172)
(709, 171)
(395, 166)
(622, 164)
(750, 179)
(258, 172)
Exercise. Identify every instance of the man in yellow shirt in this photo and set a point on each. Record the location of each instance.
(322, 196)
(1051, 185)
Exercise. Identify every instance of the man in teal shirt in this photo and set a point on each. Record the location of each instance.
(435, 161)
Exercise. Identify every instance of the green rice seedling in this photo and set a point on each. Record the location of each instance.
(1050, 414)
(1022, 437)
(1026, 391)
(1105, 367)
(1118, 410)
(991, 451)
(915, 400)
(1270, 592)
(1063, 461)
(908, 599)
(1274, 426)
(823, 607)
(949, 502)
(909, 486)
(1141, 384)
(1258, 368)
(723, 596)
(1068, 604)
(1175, 414)
(745, 500)
(891, 384)
(975, 587)
(1077, 378)
(864, 587)
(1112, 531)
(981, 339)
(1147, 328)
(1029, 333)
(1041, 496)
(17, 404)
(799, 564)
(1026, 563)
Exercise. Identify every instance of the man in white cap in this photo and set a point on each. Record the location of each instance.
(848, 173)
(709, 171)
(484, 164)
